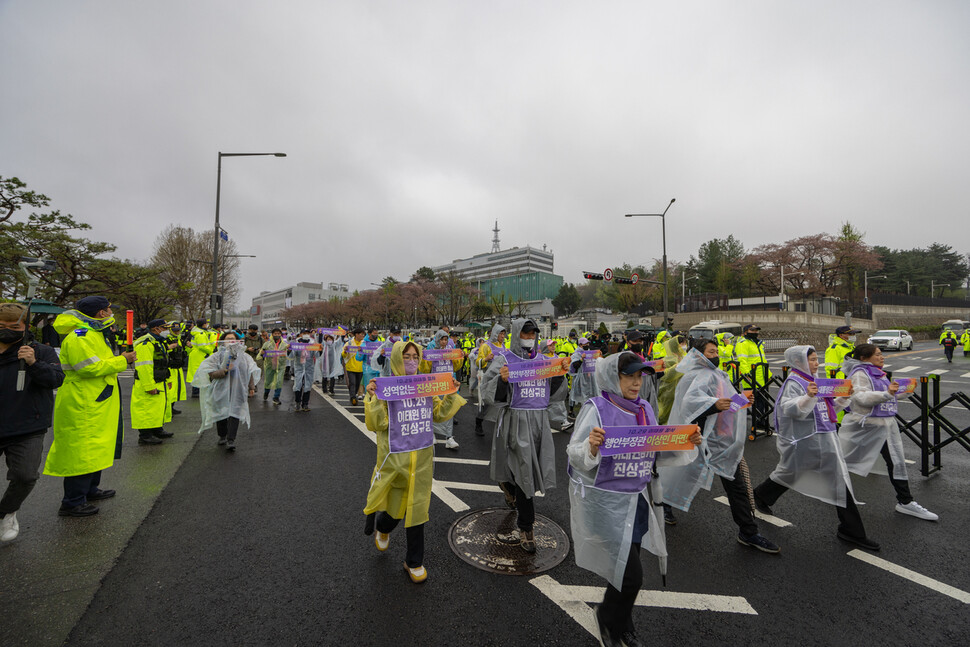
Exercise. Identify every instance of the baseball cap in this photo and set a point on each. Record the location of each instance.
(841, 330)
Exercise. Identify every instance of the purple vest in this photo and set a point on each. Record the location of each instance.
(530, 396)
(823, 422)
(409, 424)
(880, 382)
(626, 473)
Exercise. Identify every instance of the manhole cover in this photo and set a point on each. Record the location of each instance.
(483, 538)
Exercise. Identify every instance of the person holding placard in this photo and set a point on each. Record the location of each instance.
(226, 380)
(486, 352)
(304, 363)
(613, 511)
(353, 365)
(810, 457)
(441, 342)
(523, 457)
(870, 428)
(401, 483)
(380, 361)
(582, 367)
(273, 354)
(706, 397)
(558, 414)
(329, 365)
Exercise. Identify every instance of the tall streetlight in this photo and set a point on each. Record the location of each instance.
(663, 222)
(933, 285)
(881, 276)
(218, 231)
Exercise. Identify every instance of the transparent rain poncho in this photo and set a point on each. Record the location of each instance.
(486, 353)
(228, 396)
(328, 363)
(724, 432)
(862, 435)
(668, 382)
(809, 462)
(584, 384)
(304, 365)
(602, 520)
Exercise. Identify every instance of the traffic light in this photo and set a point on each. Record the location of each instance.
(623, 279)
(592, 276)
(555, 325)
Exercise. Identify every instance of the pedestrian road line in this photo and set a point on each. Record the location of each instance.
(775, 521)
(965, 375)
(938, 372)
(574, 600)
(912, 576)
(460, 461)
(935, 359)
(905, 369)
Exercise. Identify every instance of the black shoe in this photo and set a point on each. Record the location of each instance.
(761, 505)
(265, 397)
(230, 445)
(222, 441)
(861, 542)
(763, 544)
(149, 440)
(629, 639)
(175, 411)
(605, 638)
(163, 434)
(669, 517)
(83, 510)
(276, 401)
(101, 494)
(527, 541)
(479, 430)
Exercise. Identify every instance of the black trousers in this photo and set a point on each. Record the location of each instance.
(526, 509)
(148, 433)
(850, 522)
(328, 385)
(227, 428)
(354, 378)
(903, 494)
(949, 353)
(616, 611)
(301, 397)
(23, 456)
(77, 488)
(414, 535)
(737, 494)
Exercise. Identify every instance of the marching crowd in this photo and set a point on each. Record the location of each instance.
(619, 502)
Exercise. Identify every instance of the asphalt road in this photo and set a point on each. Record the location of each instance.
(265, 547)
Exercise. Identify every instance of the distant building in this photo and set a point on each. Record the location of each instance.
(267, 307)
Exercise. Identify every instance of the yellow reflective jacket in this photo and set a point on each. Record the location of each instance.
(202, 347)
(659, 352)
(149, 411)
(834, 355)
(87, 410)
(750, 353)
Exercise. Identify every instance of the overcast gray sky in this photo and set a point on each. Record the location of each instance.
(411, 126)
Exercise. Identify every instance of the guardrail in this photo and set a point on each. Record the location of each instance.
(931, 415)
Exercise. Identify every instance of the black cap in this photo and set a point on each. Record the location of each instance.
(200, 322)
(253, 327)
(158, 323)
(748, 327)
(528, 326)
(634, 335)
(92, 305)
(630, 364)
(841, 330)
(396, 329)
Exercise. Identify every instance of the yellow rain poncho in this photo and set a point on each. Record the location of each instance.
(148, 410)
(401, 483)
(87, 410)
(203, 345)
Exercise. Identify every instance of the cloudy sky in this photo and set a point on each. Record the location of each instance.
(410, 127)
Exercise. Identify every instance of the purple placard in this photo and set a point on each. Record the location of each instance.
(536, 369)
(647, 438)
(589, 361)
(409, 425)
(405, 387)
(738, 402)
(274, 353)
(441, 354)
(299, 345)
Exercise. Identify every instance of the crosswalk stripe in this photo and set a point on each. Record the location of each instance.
(775, 521)
(905, 369)
(965, 375)
(938, 372)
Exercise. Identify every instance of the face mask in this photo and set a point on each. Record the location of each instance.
(715, 361)
(585, 346)
(164, 333)
(395, 338)
(527, 343)
(411, 366)
(752, 335)
(276, 339)
(373, 337)
(304, 339)
(636, 348)
(8, 336)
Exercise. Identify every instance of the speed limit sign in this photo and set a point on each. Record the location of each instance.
(608, 274)
(635, 278)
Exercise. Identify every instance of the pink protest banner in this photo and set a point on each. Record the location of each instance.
(442, 354)
(647, 438)
(406, 387)
(274, 353)
(296, 345)
(907, 385)
(833, 388)
(536, 369)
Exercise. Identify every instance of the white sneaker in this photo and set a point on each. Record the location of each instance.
(451, 443)
(9, 528)
(566, 425)
(382, 540)
(914, 509)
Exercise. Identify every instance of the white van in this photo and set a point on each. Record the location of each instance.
(707, 329)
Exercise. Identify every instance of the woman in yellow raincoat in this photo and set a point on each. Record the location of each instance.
(401, 483)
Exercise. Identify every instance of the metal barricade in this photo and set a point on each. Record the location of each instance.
(762, 411)
(931, 411)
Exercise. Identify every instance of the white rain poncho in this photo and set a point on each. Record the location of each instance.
(584, 384)
(328, 363)
(522, 447)
(486, 352)
(443, 428)
(602, 520)
(863, 435)
(809, 462)
(304, 364)
(668, 381)
(724, 433)
(229, 396)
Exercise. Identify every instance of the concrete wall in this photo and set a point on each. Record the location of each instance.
(912, 316)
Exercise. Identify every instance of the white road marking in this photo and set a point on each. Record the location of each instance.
(574, 601)
(912, 576)
(965, 375)
(938, 372)
(906, 369)
(462, 461)
(775, 521)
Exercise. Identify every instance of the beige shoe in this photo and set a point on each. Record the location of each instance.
(381, 540)
(9, 528)
(418, 574)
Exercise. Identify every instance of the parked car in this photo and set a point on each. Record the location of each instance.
(892, 340)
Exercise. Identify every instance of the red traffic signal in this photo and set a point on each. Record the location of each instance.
(624, 280)
(592, 276)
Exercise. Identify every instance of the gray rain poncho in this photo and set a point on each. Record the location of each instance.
(557, 399)
(862, 435)
(328, 364)
(602, 520)
(809, 462)
(491, 411)
(584, 384)
(304, 365)
(228, 396)
(724, 433)
(522, 448)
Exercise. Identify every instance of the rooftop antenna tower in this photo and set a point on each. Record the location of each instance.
(495, 247)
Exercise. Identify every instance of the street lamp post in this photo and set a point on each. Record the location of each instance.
(663, 222)
(882, 276)
(933, 285)
(683, 285)
(215, 245)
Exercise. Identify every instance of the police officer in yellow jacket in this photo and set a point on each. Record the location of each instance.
(725, 349)
(150, 406)
(177, 356)
(965, 340)
(87, 410)
(203, 344)
(839, 347)
(750, 353)
(658, 351)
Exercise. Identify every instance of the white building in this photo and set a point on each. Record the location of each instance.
(493, 265)
(267, 307)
